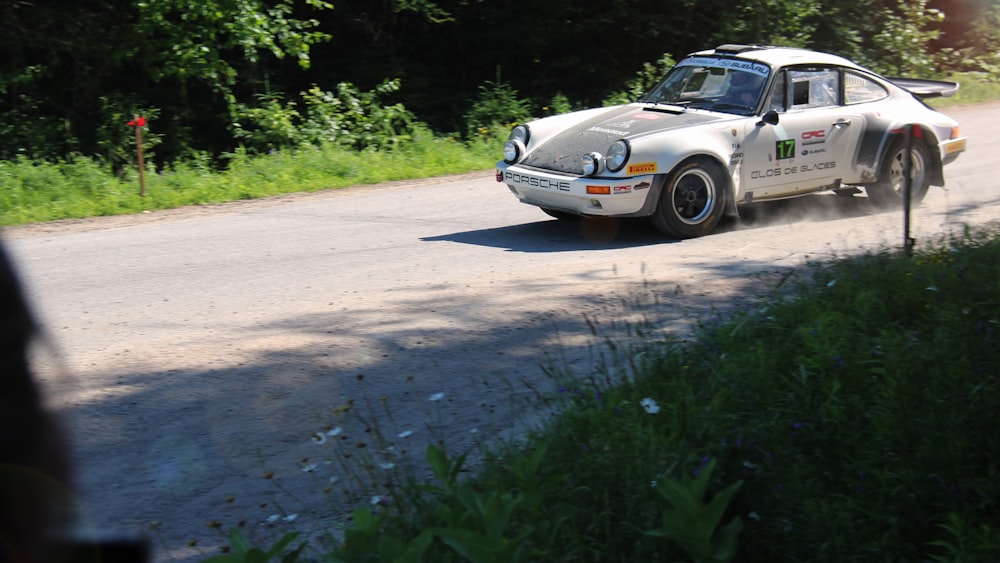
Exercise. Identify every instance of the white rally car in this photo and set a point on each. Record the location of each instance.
(728, 127)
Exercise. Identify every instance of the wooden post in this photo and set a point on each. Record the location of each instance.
(138, 123)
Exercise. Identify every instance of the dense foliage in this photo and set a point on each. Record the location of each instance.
(213, 75)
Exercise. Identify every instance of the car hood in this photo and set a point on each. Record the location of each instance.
(562, 151)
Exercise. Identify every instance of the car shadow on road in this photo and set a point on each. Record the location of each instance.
(610, 234)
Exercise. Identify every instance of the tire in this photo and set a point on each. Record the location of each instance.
(887, 191)
(561, 215)
(692, 201)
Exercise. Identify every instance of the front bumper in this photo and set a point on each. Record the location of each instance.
(604, 197)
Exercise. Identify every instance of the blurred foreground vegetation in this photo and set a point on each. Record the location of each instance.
(850, 415)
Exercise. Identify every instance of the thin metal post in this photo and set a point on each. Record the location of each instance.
(908, 242)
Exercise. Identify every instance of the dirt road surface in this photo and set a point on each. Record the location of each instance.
(194, 352)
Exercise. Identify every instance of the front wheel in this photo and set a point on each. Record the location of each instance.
(692, 201)
(888, 191)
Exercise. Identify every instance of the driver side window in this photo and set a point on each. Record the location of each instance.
(812, 88)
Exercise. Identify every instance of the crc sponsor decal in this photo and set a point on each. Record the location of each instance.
(535, 181)
(813, 137)
(621, 189)
(791, 170)
(642, 168)
(784, 148)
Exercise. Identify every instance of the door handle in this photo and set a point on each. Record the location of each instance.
(842, 123)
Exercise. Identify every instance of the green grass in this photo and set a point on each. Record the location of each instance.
(35, 192)
(850, 417)
(974, 88)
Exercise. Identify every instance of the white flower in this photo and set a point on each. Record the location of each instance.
(387, 465)
(649, 405)
(753, 516)
(309, 468)
(474, 431)
(332, 480)
(273, 518)
(335, 432)
(831, 283)
(319, 438)
(290, 517)
(405, 434)
(436, 397)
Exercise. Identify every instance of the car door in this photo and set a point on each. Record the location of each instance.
(813, 142)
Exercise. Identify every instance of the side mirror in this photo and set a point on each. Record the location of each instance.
(769, 118)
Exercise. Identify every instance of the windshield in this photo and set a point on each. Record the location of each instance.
(716, 84)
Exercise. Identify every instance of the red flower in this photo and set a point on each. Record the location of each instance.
(138, 122)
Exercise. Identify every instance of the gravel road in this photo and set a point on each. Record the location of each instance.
(194, 352)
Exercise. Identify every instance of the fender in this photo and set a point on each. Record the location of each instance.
(935, 168)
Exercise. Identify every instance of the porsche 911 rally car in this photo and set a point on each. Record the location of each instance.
(731, 126)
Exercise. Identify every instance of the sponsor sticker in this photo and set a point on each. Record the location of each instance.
(621, 189)
(642, 168)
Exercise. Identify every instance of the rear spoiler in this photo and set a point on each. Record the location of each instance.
(924, 89)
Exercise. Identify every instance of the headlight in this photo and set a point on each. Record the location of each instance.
(617, 155)
(514, 148)
(512, 151)
(520, 133)
(590, 163)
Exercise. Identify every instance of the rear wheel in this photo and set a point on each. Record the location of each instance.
(692, 201)
(888, 191)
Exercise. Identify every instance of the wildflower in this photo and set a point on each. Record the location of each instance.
(831, 283)
(754, 516)
(405, 434)
(273, 518)
(319, 438)
(290, 517)
(333, 480)
(381, 500)
(335, 432)
(474, 431)
(436, 397)
(309, 468)
(649, 405)
(387, 465)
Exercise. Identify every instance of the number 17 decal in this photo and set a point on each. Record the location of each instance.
(785, 149)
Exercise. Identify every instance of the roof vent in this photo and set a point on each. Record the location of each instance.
(736, 49)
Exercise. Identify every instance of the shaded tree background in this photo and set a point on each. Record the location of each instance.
(72, 72)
